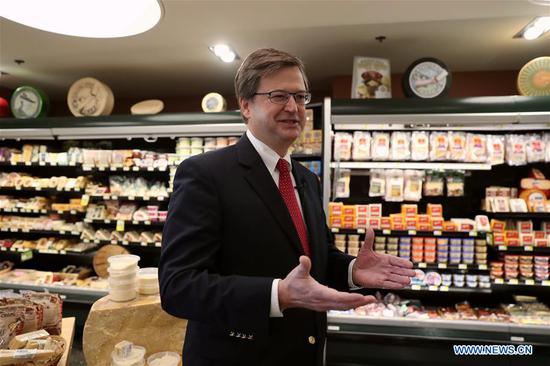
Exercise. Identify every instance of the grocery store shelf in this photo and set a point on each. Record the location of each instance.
(464, 290)
(42, 232)
(43, 212)
(446, 266)
(527, 249)
(519, 215)
(126, 222)
(157, 244)
(46, 251)
(38, 189)
(453, 330)
(90, 168)
(38, 164)
(435, 233)
(127, 198)
(72, 293)
(517, 282)
(408, 165)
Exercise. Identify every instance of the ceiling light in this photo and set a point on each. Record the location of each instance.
(85, 18)
(224, 52)
(536, 28)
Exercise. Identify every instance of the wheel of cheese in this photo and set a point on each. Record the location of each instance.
(532, 183)
(213, 102)
(90, 97)
(100, 258)
(150, 106)
(534, 77)
(533, 197)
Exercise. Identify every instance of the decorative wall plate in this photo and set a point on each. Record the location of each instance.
(426, 78)
(534, 77)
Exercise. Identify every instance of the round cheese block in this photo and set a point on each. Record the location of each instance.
(100, 258)
(90, 97)
(29, 102)
(534, 77)
(213, 102)
(150, 106)
(534, 198)
(426, 78)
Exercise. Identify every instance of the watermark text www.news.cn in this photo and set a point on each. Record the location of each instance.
(493, 350)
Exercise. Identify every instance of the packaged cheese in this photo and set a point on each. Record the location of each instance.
(457, 146)
(12, 318)
(361, 146)
(377, 187)
(413, 185)
(342, 183)
(439, 146)
(495, 149)
(342, 146)
(380, 146)
(455, 183)
(400, 146)
(434, 184)
(420, 145)
(394, 185)
(516, 153)
(476, 148)
(547, 147)
(536, 148)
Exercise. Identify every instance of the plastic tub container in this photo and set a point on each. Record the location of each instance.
(123, 262)
(148, 282)
(164, 359)
(132, 356)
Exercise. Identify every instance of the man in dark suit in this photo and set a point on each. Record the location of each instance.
(246, 256)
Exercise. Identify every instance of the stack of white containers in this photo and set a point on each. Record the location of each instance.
(123, 271)
(148, 282)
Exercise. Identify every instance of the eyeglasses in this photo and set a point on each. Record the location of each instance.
(282, 97)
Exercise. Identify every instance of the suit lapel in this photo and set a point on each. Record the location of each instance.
(262, 183)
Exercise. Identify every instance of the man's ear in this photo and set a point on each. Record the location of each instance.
(244, 104)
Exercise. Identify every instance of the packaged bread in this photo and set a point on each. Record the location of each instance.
(400, 146)
(33, 312)
(457, 146)
(535, 148)
(439, 146)
(380, 146)
(495, 149)
(420, 146)
(361, 146)
(53, 307)
(476, 148)
(516, 153)
(342, 146)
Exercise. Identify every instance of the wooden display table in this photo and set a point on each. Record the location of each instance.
(141, 321)
(67, 332)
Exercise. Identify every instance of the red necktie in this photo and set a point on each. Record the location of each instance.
(287, 192)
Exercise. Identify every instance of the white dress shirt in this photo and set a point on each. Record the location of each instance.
(270, 159)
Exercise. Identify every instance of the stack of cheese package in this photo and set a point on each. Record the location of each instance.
(30, 324)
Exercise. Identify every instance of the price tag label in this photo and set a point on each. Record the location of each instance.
(158, 244)
(499, 281)
(86, 168)
(113, 168)
(125, 242)
(472, 233)
(62, 252)
(513, 281)
(360, 231)
(135, 222)
(84, 200)
(120, 225)
(147, 222)
(114, 197)
(97, 241)
(4, 229)
(412, 232)
(28, 163)
(146, 198)
(502, 247)
(433, 288)
(42, 163)
(143, 244)
(444, 288)
(43, 211)
(545, 283)
(126, 168)
(107, 221)
(386, 232)
(73, 212)
(335, 230)
(462, 266)
(442, 265)
(529, 282)
(150, 168)
(528, 248)
(135, 168)
(62, 232)
(101, 168)
(26, 255)
(422, 265)
(416, 287)
(437, 233)
(39, 188)
(482, 266)
(106, 196)
(25, 230)
(3, 249)
(131, 198)
(17, 188)
(161, 198)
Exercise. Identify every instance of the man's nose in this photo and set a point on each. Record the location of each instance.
(291, 105)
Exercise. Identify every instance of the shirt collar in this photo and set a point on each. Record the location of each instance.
(268, 155)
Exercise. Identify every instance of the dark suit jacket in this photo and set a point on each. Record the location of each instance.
(227, 236)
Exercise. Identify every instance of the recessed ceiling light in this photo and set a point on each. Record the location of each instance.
(535, 28)
(85, 18)
(224, 52)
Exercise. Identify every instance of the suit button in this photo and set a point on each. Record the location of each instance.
(311, 339)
